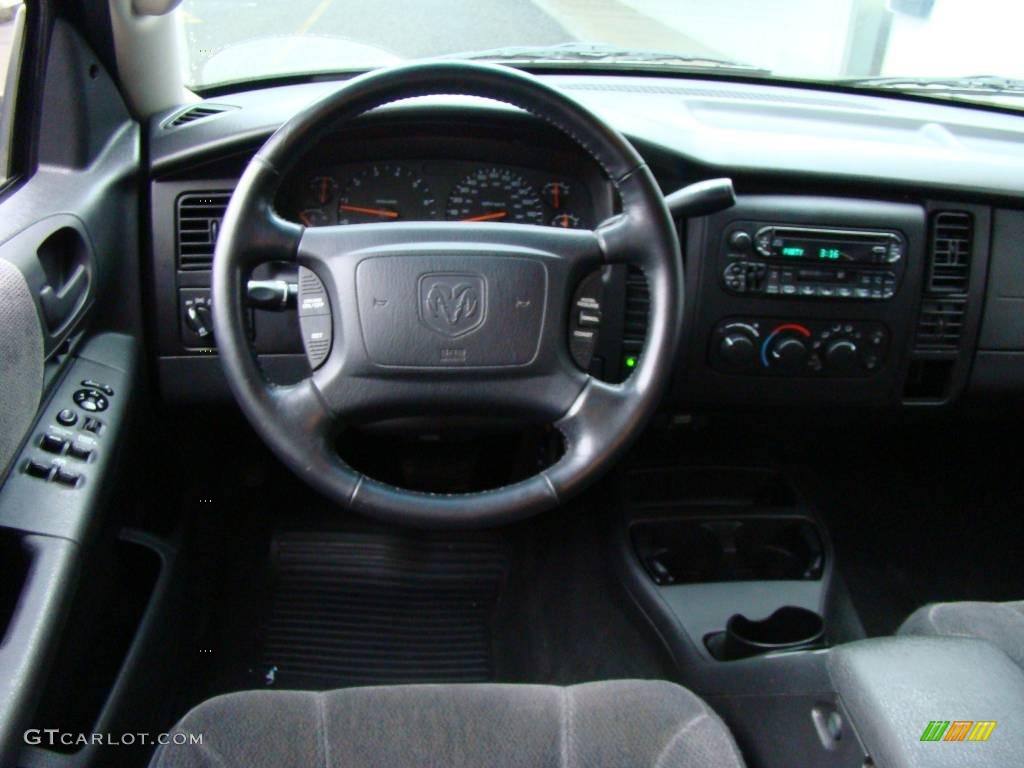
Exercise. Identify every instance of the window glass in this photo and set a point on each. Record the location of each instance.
(943, 48)
(12, 20)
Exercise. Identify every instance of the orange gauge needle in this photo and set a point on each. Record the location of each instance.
(488, 216)
(370, 211)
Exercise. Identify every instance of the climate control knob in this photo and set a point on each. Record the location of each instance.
(788, 353)
(738, 350)
(842, 356)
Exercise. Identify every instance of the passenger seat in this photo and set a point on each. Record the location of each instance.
(1002, 624)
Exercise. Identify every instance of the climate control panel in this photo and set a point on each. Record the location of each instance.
(809, 348)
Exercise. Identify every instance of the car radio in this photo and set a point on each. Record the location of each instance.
(811, 262)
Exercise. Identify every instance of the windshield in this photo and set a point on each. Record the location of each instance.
(947, 48)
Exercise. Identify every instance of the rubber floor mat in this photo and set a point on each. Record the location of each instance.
(365, 609)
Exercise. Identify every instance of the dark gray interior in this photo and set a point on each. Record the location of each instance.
(698, 420)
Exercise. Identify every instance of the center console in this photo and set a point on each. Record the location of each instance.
(734, 570)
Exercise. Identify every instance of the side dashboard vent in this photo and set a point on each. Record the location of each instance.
(199, 216)
(944, 307)
(638, 305)
(192, 114)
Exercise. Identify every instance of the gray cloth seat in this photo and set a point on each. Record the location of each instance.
(614, 724)
(1002, 624)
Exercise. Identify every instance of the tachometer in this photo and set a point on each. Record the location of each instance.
(386, 192)
(495, 194)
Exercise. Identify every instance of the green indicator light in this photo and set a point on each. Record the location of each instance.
(792, 251)
(631, 362)
(832, 254)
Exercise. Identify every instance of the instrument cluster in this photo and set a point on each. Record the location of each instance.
(456, 190)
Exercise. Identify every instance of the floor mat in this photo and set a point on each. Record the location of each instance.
(365, 608)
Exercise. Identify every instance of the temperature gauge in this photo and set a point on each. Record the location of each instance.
(566, 220)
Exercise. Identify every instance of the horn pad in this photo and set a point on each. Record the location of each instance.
(440, 311)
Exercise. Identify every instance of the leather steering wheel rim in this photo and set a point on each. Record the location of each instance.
(597, 420)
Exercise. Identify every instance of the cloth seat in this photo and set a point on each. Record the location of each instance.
(614, 724)
(1002, 624)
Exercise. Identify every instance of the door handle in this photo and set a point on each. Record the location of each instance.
(60, 304)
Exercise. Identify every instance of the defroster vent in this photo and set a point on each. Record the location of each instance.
(198, 221)
(192, 114)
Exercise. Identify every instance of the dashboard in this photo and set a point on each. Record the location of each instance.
(869, 262)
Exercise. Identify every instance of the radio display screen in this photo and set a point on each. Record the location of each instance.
(808, 249)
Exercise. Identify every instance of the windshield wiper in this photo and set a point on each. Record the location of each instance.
(602, 54)
(971, 85)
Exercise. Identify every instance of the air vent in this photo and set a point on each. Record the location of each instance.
(192, 114)
(949, 270)
(944, 307)
(638, 305)
(940, 324)
(199, 217)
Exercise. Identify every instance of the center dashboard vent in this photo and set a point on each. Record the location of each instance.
(199, 216)
(944, 307)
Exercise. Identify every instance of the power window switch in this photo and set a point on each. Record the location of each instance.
(67, 478)
(38, 469)
(53, 444)
(80, 451)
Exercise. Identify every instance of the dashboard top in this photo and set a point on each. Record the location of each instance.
(735, 127)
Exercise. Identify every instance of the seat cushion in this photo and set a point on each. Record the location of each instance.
(1002, 624)
(613, 724)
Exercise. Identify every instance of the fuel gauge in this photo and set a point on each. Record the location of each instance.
(556, 194)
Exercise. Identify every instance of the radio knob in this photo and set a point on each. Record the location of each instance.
(741, 241)
(842, 356)
(738, 350)
(788, 353)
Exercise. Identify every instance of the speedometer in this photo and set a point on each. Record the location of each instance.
(495, 194)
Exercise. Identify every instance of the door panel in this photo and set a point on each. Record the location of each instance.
(70, 320)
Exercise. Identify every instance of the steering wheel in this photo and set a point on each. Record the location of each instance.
(447, 317)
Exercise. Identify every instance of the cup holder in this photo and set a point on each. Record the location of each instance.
(696, 550)
(790, 628)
